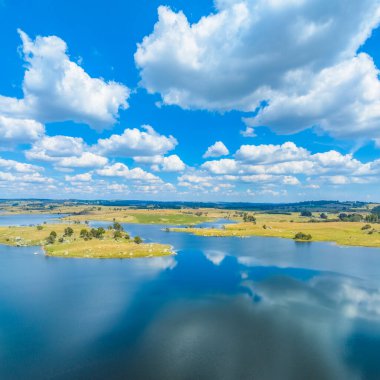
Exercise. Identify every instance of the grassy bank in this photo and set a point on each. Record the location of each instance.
(76, 246)
(144, 216)
(342, 233)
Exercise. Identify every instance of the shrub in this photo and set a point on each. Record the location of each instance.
(323, 216)
(126, 236)
(97, 232)
(366, 227)
(306, 213)
(248, 218)
(51, 238)
(302, 236)
(137, 240)
(84, 234)
(117, 226)
(117, 234)
(68, 231)
(39, 228)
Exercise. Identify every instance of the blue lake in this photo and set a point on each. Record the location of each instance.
(28, 219)
(222, 308)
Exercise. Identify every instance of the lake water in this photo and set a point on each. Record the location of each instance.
(222, 308)
(29, 219)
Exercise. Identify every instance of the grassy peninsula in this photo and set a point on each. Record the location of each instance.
(71, 240)
(288, 226)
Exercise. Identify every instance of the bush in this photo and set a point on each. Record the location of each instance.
(84, 234)
(97, 232)
(39, 228)
(306, 213)
(137, 240)
(68, 231)
(126, 236)
(117, 226)
(51, 238)
(323, 216)
(302, 236)
(117, 234)
(366, 227)
(248, 218)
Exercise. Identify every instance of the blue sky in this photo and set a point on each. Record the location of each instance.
(232, 100)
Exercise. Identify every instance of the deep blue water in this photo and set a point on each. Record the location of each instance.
(222, 308)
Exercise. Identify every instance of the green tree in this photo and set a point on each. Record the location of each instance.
(84, 234)
(306, 213)
(323, 216)
(302, 236)
(97, 232)
(117, 226)
(68, 231)
(51, 238)
(137, 240)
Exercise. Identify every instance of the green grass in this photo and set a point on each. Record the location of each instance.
(142, 216)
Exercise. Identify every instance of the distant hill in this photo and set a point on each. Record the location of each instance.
(314, 206)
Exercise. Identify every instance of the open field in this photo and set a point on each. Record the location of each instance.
(270, 223)
(128, 214)
(75, 246)
(343, 233)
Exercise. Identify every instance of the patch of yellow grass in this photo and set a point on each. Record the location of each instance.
(74, 246)
(343, 233)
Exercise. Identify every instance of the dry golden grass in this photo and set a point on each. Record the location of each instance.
(343, 233)
(74, 246)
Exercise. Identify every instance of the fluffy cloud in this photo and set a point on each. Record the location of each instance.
(216, 150)
(121, 170)
(85, 160)
(55, 147)
(65, 152)
(19, 167)
(18, 131)
(271, 153)
(134, 142)
(58, 89)
(296, 62)
(85, 177)
(280, 164)
(248, 132)
(169, 164)
(25, 178)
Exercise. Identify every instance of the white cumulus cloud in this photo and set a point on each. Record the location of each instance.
(57, 89)
(134, 142)
(295, 62)
(216, 150)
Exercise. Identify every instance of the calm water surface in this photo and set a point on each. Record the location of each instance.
(29, 219)
(222, 308)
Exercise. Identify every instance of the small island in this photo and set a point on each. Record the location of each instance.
(81, 241)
